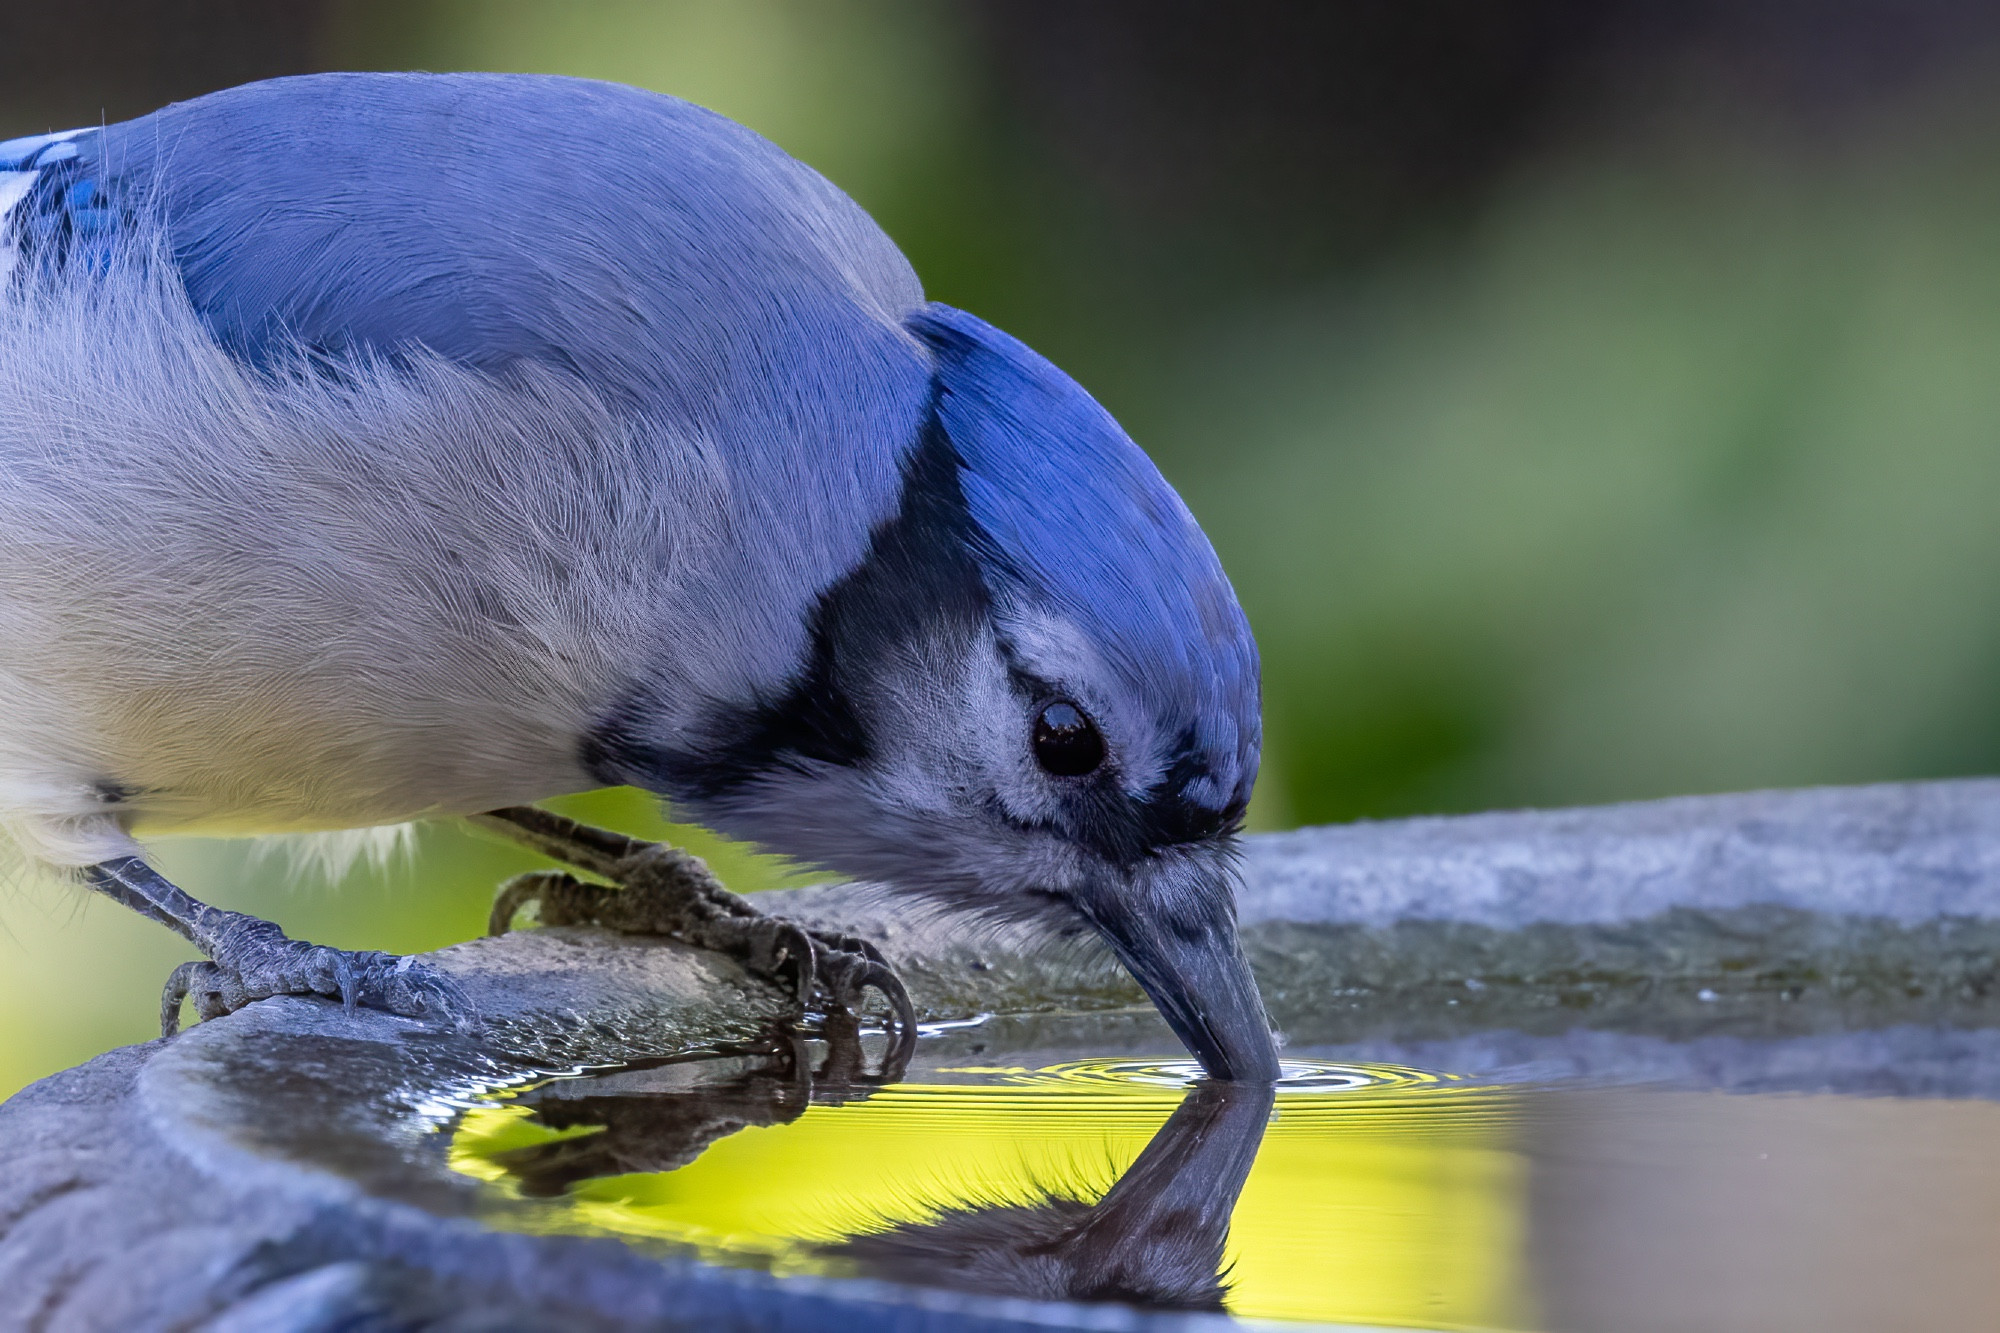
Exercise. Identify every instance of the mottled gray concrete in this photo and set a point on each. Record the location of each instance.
(1907, 852)
(281, 1169)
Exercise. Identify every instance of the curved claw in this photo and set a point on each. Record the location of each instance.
(344, 980)
(172, 995)
(214, 991)
(792, 941)
(189, 979)
(516, 894)
(890, 987)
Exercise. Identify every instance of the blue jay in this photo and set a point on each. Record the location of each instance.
(382, 447)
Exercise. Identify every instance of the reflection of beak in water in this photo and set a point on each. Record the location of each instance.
(1155, 1239)
(662, 1117)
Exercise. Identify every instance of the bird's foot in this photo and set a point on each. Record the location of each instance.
(260, 961)
(665, 891)
(251, 959)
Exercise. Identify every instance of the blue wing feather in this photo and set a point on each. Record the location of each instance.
(493, 218)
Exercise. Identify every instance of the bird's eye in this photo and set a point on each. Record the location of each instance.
(1066, 741)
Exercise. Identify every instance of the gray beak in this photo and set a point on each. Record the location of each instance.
(1174, 928)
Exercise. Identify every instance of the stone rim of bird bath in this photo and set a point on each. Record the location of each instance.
(280, 1169)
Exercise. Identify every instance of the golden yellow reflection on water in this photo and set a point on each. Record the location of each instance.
(1382, 1195)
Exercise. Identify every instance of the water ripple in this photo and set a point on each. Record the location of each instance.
(1295, 1076)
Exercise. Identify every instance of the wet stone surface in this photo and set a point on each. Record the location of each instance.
(1489, 1022)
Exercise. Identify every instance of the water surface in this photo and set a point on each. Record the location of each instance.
(1588, 1180)
(1371, 1192)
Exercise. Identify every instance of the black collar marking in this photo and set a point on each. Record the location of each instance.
(918, 581)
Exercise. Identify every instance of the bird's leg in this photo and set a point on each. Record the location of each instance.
(251, 959)
(665, 891)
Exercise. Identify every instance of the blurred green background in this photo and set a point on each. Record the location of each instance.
(1591, 401)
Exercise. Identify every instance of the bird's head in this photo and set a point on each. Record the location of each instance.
(1036, 697)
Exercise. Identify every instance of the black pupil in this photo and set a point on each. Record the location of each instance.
(1066, 741)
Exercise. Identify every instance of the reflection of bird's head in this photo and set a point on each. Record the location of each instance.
(1156, 1239)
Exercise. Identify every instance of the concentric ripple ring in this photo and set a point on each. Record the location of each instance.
(1294, 1076)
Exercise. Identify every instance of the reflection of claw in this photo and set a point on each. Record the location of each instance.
(665, 891)
(663, 1116)
(844, 1075)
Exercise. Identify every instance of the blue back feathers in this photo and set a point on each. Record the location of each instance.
(495, 219)
(1074, 515)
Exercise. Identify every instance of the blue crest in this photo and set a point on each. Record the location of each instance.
(1078, 518)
